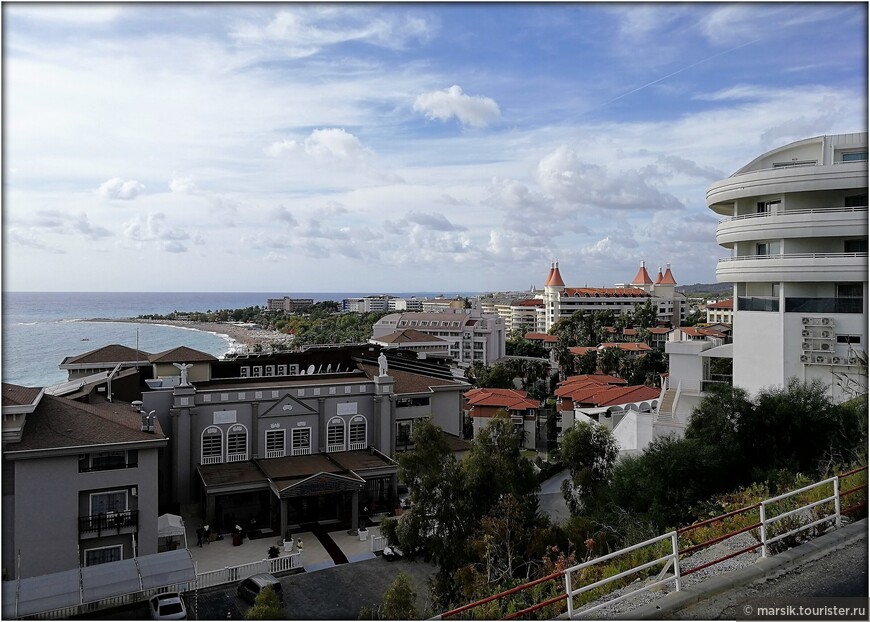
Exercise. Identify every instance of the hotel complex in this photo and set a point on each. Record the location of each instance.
(795, 223)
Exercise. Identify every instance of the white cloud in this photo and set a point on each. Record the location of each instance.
(452, 102)
(273, 257)
(117, 188)
(153, 228)
(77, 14)
(182, 185)
(323, 145)
(303, 31)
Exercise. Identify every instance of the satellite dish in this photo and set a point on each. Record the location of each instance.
(311, 369)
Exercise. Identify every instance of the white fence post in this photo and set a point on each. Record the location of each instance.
(763, 529)
(568, 592)
(676, 547)
(839, 519)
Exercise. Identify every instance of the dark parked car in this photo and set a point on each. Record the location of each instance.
(253, 585)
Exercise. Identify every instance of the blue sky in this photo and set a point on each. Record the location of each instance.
(397, 147)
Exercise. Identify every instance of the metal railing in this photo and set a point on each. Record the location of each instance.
(120, 600)
(753, 518)
(108, 522)
(795, 212)
(237, 457)
(212, 460)
(231, 574)
(782, 256)
(275, 453)
(358, 446)
(334, 447)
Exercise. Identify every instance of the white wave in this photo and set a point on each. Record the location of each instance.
(27, 323)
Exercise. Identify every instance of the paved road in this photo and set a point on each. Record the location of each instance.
(842, 572)
(550, 499)
(336, 593)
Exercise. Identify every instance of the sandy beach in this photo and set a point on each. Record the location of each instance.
(239, 334)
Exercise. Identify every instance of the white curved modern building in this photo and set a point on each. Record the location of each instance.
(795, 221)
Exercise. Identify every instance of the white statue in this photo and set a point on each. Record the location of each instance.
(183, 367)
(382, 365)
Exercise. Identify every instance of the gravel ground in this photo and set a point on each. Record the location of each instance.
(730, 545)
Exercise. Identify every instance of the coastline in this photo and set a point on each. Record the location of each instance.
(237, 335)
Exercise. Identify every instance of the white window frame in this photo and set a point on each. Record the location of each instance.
(299, 451)
(276, 453)
(334, 424)
(120, 547)
(236, 430)
(355, 423)
(108, 492)
(212, 458)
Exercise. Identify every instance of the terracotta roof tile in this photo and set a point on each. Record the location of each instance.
(605, 292)
(722, 304)
(408, 382)
(628, 346)
(510, 399)
(668, 278)
(409, 335)
(642, 277)
(540, 337)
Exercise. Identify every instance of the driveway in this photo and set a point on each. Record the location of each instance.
(550, 499)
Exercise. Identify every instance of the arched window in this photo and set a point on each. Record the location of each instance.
(335, 435)
(212, 446)
(357, 436)
(237, 443)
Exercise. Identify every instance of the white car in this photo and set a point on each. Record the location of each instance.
(167, 606)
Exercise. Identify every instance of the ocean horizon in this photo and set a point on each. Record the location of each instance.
(40, 329)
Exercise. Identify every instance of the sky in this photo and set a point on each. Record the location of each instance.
(397, 147)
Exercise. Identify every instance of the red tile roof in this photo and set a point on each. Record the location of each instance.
(529, 302)
(659, 277)
(555, 277)
(668, 278)
(605, 292)
(540, 337)
(581, 350)
(693, 331)
(628, 346)
(659, 330)
(623, 395)
(509, 399)
(642, 276)
(722, 304)
(602, 378)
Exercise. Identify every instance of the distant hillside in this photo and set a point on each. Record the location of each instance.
(706, 288)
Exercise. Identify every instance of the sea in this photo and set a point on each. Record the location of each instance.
(40, 329)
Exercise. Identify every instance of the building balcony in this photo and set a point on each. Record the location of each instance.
(785, 179)
(838, 222)
(794, 267)
(109, 523)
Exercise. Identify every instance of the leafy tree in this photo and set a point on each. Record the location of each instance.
(518, 346)
(589, 451)
(586, 363)
(267, 606)
(495, 376)
(398, 602)
(610, 360)
(645, 315)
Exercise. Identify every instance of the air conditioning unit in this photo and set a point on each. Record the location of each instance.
(806, 333)
(806, 345)
(853, 360)
(806, 320)
(826, 320)
(805, 358)
(820, 358)
(825, 346)
(836, 360)
(826, 334)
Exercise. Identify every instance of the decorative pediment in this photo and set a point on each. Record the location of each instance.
(320, 484)
(288, 405)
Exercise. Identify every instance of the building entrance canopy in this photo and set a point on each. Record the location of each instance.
(71, 588)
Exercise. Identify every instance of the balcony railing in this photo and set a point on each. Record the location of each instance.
(334, 447)
(275, 453)
(211, 460)
(108, 522)
(824, 305)
(302, 451)
(795, 256)
(757, 303)
(716, 381)
(358, 446)
(108, 467)
(237, 457)
(797, 212)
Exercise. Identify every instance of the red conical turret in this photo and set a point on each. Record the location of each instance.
(659, 277)
(668, 278)
(555, 278)
(550, 274)
(642, 276)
